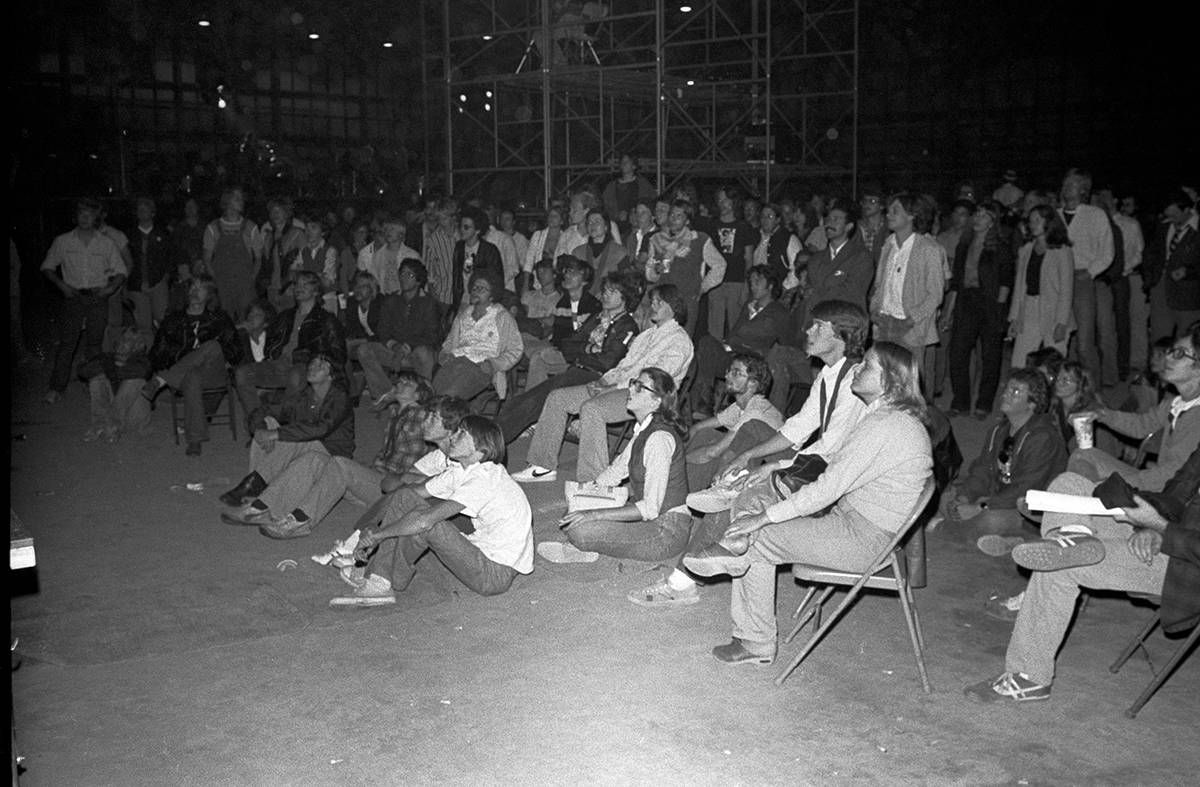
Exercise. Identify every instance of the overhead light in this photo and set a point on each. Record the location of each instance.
(487, 107)
(204, 23)
(685, 9)
(221, 103)
(691, 83)
(487, 38)
(487, 93)
(314, 36)
(388, 44)
(462, 97)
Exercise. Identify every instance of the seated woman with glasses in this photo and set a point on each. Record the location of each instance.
(1024, 451)
(483, 344)
(655, 524)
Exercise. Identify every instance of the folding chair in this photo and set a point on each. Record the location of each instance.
(1161, 675)
(888, 571)
(212, 404)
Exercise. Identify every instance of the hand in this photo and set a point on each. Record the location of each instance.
(746, 525)
(702, 456)
(366, 542)
(405, 348)
(964, 510)
(946, 324)
(1144, 516)
(734, 465)
(271, 423)
(1060, 333)
(486, 367)
(266, 439)
(1145, 544)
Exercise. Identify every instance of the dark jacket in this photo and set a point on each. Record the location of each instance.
(997, 267)
(1036, 456)
(486, 256)
(1181, 543)
(320, 333)
(302, 419)
(760, 334)
(416, 323)
(846, 277)
(180, 333)
(564, 327)
(1184, 294)
(353, 328)
(136, 367)
(612, 350)
(290, 238)
(158, 259)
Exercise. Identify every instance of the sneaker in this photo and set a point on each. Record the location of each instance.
(998, 546)
(342, 549)
(1002, 607)
(534, 474)
(1059, 550)
(661, 594)
(1007, 686)
(717, 498)
(714, 560)
(374, 592)
(736, 652)
(354, 576)
(562, 552)
(290, 526)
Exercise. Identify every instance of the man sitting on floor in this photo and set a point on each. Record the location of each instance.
(1141, 551)
(476, 484)
(307, 427)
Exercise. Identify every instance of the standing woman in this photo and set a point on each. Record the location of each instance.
(1044, 287)
(544, 242)
(655, 524)
(601, 250)
(360, 236)
(232, 253)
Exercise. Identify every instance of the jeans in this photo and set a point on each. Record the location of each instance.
(545, 361)
(83, 313)
(700, 474)
(595, 413)
(375, 357)
(203, 367)
(462, 378)
(1139, 324)
(272, 464)
(662, 538)
(977, 320)
(724, 307)
(1107, 333)
(712, 361)
(1084, 308)
(126, 410)
(281, 373)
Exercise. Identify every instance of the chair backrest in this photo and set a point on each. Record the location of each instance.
(882, 559)
(1148, 446)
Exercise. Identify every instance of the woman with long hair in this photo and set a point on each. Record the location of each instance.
(544, 242)
(1043, 287)
(654, 524)
(841, 520)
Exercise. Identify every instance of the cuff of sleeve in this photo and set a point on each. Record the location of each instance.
(648, 511)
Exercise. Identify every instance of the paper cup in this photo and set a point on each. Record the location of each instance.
(1084, 430)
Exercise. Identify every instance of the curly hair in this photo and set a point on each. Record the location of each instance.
(1035, 382)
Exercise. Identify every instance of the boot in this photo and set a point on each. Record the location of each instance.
(247, 489)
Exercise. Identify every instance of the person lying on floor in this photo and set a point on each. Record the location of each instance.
(1024, 451)
(307, 428)
(836, 336)
(841, 520)
(1152, 548)
(1178, 419)
(749, 421)
(300, 497)
(665, 345)
(477, 485)
(654, 524)
(440, 417)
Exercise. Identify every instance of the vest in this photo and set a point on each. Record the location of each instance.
(777, 252)
(677, 487)
(311, 262)
(685, 271)
(478, 341)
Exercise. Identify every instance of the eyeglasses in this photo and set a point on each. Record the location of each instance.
(637, 385)
(1178, 353)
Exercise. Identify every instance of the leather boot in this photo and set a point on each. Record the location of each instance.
(247, 489)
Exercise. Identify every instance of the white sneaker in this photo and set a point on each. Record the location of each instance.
(341, 549)
(562, 552)
(374, 592)
(534, 474)
(354, 576)
(713, 500)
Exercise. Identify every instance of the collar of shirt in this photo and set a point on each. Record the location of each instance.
(902, 247)
(1179, 407)
(1193, 224)
(833, 250)
(830, 372)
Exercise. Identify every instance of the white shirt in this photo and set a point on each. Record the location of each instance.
(1091, 239)
(433, 463)
(848, 410)
(258, 347)
(893, 275)
(498, 509)
(1132, 241)
(734, 416)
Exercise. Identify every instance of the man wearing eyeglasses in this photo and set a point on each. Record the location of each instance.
(472, 253)
(1024, 451)
(872, 227)
(1177, 420)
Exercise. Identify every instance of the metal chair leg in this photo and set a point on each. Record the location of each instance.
(1164, 673)
(811, 590)
(819, 634)
(814, 610)
(231, 394)
(1134, 644)
(174, 415)
(910, 620)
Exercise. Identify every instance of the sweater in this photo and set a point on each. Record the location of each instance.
(1038, 454)
(302, 419)
(1180, 608)
(1178, 441)
(665, 346)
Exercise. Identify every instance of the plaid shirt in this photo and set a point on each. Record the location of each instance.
(403, 443)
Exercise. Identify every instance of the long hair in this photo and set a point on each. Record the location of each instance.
(991, 241)
(607, 224)
(850, 323)
(669, 294)
(665, 389)
(1056, 230)
(901, 379)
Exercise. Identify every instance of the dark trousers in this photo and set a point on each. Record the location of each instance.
(712, 361)
(523, 411)
(452, 549)
(83, 313)
(977, 320)
(202, 368)
(1121, 295)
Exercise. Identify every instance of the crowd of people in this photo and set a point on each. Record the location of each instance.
(772, 368)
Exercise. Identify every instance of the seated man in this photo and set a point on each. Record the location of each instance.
(870, 486)
(597, 346)
(308, 427)
(574, 307)
(1140, 551)
(408, 331)
(297, 335)
(308, 498)
(760, 323)
(665, 346)
(190, 352)
(127, 368)
(1024, 451)
(835, 337)
(749, 421)
(476, 484)
(1177, 419)
(539, 299)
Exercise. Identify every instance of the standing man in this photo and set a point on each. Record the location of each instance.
(232, 253)
(843, 270)
(733, 237)
(384, 263)
(438, 251)
(152, 255)
(1139, 305)
(872, 226)
(87, 268)
(1175, 297)
(1092, 246)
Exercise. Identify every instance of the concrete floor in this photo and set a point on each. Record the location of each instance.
(163, 647)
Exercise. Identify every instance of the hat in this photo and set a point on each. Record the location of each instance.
(1010, 175)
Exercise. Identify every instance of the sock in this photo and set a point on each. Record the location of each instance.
(680, 581)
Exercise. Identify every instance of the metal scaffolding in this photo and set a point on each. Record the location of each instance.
(540, 96)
